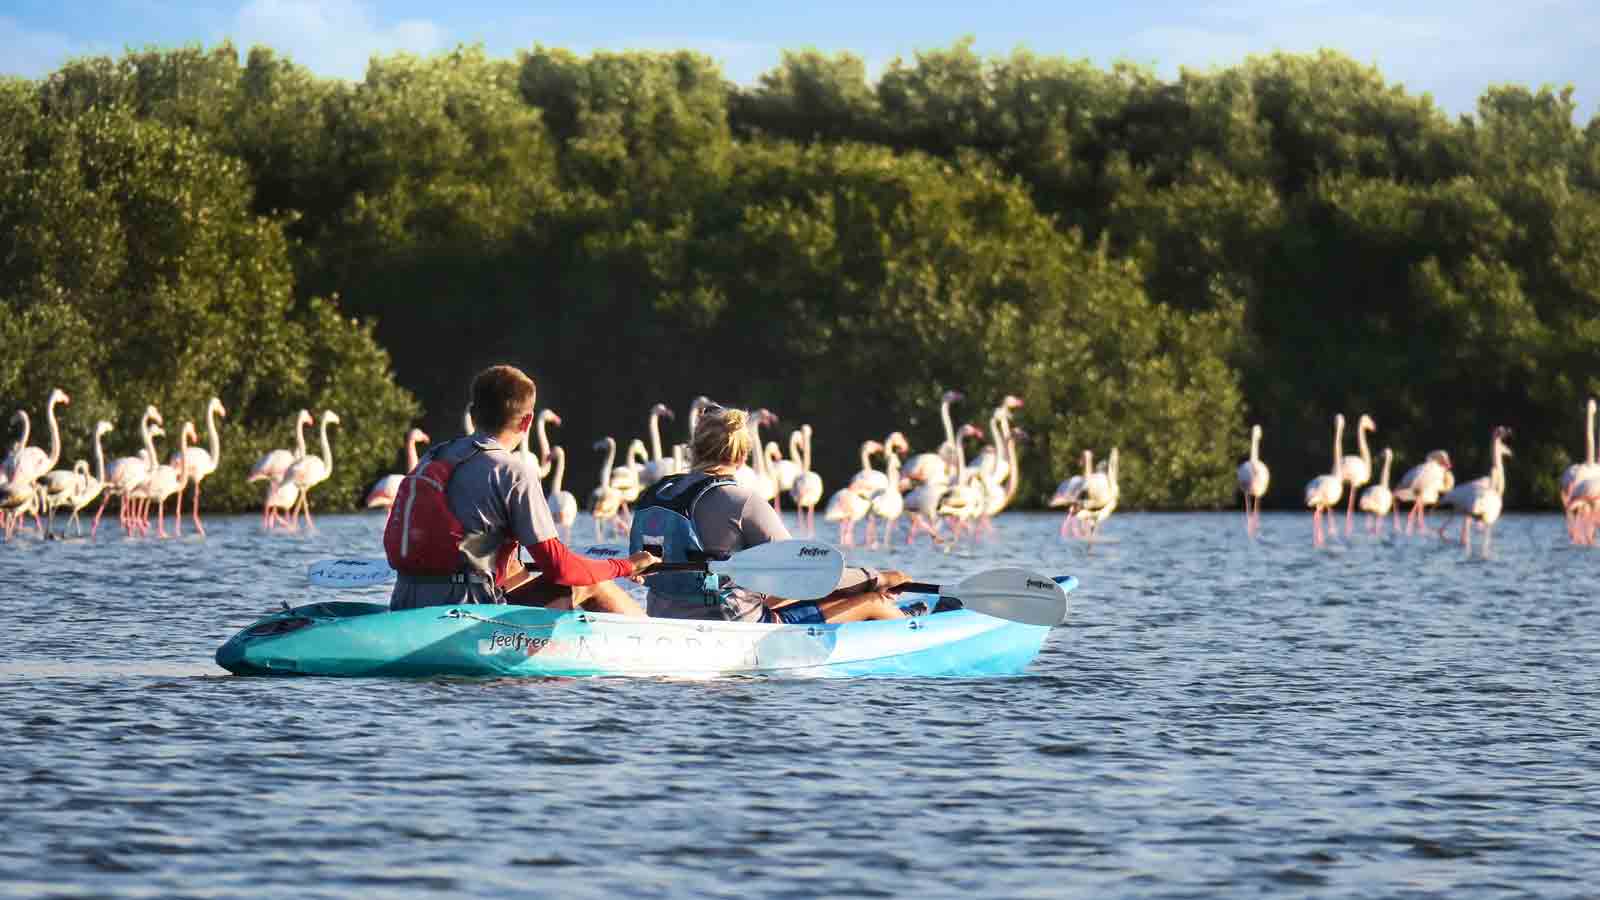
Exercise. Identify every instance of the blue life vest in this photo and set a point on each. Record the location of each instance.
(663, 523)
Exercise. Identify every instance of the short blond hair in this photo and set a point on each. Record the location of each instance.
(721, 437)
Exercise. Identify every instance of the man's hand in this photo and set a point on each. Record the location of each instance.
(642, 560)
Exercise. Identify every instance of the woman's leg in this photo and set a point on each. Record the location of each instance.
(860, 608)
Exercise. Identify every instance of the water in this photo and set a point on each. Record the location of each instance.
(1220, 718)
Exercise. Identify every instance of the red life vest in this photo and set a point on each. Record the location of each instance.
(423, 536)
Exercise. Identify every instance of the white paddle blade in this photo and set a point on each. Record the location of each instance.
(796, 570)
(1015, 594)
(349, 573)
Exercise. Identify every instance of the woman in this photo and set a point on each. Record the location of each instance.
(705, 513)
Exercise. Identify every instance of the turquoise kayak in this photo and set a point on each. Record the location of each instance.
(345, 638)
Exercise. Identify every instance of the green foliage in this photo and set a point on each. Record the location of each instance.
(1153, 264)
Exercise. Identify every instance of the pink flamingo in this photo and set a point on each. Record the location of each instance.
(1323, 492)
(271, 466)
(1421, 486)
(1253, 476)
(309, 471)
(124, 475)
(166, 480)
(197, 463)
(388, 487)
(1580, 472)
(807, 489)
(1481, 499)
(1357, 470)
(1379, 500)
(563, 505)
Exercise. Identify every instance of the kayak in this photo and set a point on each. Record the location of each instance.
(348, 638)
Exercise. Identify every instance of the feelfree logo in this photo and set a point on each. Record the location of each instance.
(814, 551)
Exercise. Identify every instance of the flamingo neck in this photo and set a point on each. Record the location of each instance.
(327, 452)
(561, 470)
(55, 433)
(213, 437)
(149, 440)
(1088, 464)
(99, 457)
(1361, 442)
(1255, 446)
(1338, 446)
(1013, 477)
(949, 427)
(1588, 436)
(806, 436)
(1388, 459)
(27, 426)
(299, 438)
(866, 458)
(411, 452)
(655, 437)
(544, 441)
(611, 459)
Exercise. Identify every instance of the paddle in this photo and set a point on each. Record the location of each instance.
(799, 570)
(1015, 594)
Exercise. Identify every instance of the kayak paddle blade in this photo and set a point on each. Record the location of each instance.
(1015, 594)
(795, 570)
(349, 573)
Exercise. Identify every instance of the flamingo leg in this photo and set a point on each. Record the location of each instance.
(197, 526)
(1350, 509)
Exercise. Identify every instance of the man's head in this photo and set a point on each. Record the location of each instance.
(501, 397)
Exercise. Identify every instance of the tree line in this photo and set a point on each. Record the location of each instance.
(1152, 264)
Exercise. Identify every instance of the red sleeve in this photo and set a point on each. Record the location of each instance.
(558, 564)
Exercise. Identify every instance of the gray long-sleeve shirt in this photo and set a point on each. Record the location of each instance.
(495, 497)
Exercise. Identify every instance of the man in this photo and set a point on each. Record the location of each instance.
(461, 515)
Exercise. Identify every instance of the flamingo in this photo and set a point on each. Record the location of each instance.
(788, 469)
(1001, 477)
(1323, 492)
(1579, 472)
(1357, 470)
(166, 480)
(1069, 494)
(847, 508)
(563, 506)
(625, 478)
(543, 463)
(1379, 500)
(94, 484)
(867, 480)
(807, 489)
(887, 504)
(659, 465)
(309, 471)
(605, 501)
(964, 500)
(388, 487)
(933, 466)
(279, 500)
(1254, 476)
(466, 421)
(1481, 499)
(27, 464)
(59, 488)
(198, 462)
(17, 503)
(271, 466)
(123, 475)
(1421, 486)
(1101, 492)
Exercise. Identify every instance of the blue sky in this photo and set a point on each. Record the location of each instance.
(1451, 50)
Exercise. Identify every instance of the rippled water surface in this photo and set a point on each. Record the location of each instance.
(1220, 717)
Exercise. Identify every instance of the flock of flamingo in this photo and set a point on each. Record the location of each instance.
(931, 490)
(1430, 483)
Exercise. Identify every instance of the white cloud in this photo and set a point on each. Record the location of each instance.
(332, 37)
(1451, 50)
(34, 54)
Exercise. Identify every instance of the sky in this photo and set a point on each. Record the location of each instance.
(1450, 50)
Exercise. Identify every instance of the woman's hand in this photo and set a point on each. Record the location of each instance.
(891, 579)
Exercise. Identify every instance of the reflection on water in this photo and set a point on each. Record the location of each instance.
(1220, 717)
